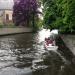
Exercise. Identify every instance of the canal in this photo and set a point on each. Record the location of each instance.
(20, 53)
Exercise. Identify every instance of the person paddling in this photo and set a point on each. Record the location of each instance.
(49, 41)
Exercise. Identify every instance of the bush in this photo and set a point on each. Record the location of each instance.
(60, 14)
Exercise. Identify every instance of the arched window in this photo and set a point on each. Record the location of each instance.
(7, 16)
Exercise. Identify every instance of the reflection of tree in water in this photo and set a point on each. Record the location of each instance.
(24, 40)
(55, 65)
(23, 50)
(55, 62)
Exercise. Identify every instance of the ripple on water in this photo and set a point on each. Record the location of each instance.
(19, 52)
(16, 71)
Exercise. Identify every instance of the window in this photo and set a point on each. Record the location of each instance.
(7, 16)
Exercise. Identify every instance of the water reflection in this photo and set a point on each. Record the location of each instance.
(19, 53)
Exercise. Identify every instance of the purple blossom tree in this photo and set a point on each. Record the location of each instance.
(24, 11)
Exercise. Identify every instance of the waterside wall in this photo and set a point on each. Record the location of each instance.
(5, 31)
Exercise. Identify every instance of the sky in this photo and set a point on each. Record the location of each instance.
(6, 4)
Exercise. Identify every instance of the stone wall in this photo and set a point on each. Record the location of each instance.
(69, 40)
(5, 31)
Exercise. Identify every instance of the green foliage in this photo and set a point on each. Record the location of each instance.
(9, 25)
(39, 23)
(50, 12)
(60, 14)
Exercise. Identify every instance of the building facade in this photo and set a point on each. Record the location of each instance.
(6, 16)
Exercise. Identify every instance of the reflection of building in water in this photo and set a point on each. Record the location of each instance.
(6, 16)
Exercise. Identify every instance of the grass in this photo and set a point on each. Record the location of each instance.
(7, 26)
(11, 25)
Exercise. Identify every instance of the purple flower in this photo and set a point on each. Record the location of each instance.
(23, 11)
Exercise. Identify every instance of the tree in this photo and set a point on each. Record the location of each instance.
(50, 12)
(68, 14)
(24, 12)
(60, 14)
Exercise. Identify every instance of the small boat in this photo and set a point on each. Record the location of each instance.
(50, 44)
(51, 47)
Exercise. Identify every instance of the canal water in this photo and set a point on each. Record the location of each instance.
(24, 54)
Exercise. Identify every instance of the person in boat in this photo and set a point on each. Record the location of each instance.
(50, 41)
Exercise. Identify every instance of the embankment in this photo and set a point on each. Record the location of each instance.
(7, 31)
